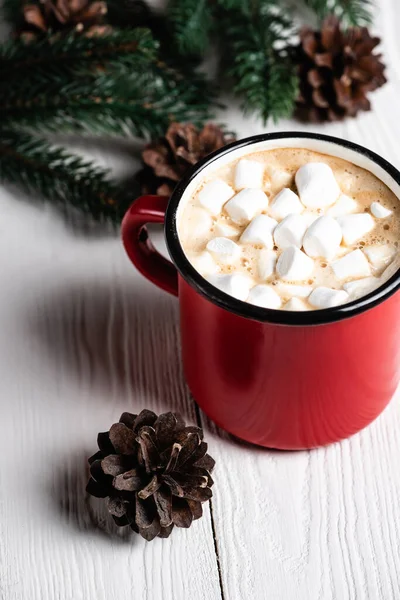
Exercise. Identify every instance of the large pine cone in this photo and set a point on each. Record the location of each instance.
(169, 157)
(155, 472)
(337, 70)
(59, 15)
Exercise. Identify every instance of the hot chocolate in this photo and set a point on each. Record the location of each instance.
(292, 229)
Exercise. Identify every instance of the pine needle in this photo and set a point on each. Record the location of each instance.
(352, 13)
(190, 22)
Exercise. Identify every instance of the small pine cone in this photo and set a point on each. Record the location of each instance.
(337, 70)
(56, 16)
(155, 472)
(168, 158)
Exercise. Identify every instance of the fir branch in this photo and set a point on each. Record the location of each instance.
(351, 12)
(39, 167)
(71, 55)
(258, 58)
(112, 84)
(141, 104)
(190, 22)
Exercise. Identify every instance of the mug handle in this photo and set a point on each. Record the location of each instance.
(135, 237)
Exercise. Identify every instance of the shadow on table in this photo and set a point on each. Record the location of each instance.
(115, 340)
(79, 510)
(123, 341)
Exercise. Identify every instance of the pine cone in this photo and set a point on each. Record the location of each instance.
(63, 15)
(169, 157)
(154, 471)
(337, 70)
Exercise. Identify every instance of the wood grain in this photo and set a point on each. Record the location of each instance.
(83, 337)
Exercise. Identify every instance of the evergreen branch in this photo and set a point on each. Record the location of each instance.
(39, 167)
(257, 57)
(351, 13)
(68, 56)
(190, 22)
(141, 104)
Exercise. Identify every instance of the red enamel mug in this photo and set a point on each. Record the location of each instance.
(280, 379)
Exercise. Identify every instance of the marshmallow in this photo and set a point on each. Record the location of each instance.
(323, 238)
(224, 230)
(236, 285)
(379, 211)
(291, 290)
(266, 263)
(279, 178)
(354, 265)
(224, 250)
(355, 227)
(324, 297)
(248, 203)
(265, 296)
(361, 287)
(317, 185)
(249, 174)
(214, 195)
(204, 263)
(310, 217)
(379, 256)
(295, 304)
(259, 231)
(294, 265)
(343, 206)
(389, 271)
(290, 232)
(285, 203)
(200, 223)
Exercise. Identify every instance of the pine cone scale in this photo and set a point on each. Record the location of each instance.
(181, 514)
(196, 508)
(165, 428)
(116, 507)
(96, 489)
(150, 488)
(163, 500)
(122, 438)
(172, 462)
(127, 482)
(104, 443)
(147, 441)
(174, 486)
(33, 16)
(206, 462)
(115, 464)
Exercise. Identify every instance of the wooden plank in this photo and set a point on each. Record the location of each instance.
(83, 339)
(323, 524)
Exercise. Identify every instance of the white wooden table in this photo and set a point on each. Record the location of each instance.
(83, 338)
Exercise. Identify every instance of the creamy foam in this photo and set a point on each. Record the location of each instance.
(197, 226)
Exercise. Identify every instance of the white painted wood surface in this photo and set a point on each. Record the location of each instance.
(83, 338)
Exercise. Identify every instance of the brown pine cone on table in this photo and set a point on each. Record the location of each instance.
(63, 15)
(168, 158)
(155, 472)
(337, 70)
